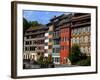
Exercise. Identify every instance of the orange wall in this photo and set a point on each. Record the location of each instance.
(65, 52)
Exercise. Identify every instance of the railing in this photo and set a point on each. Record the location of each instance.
(81, 24)
(37, 38)
(38, 32)
(55, 54)
(80, 17)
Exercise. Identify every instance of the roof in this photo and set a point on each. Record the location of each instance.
(61, 16)
(32, 28)
(55, 17)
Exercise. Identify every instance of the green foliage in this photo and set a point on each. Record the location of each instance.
(78, 58)
(85, 62)
(75, 54)
(27, 24)
(40, 60)
(34, 23)
(44, 60)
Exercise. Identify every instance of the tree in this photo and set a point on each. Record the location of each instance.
(85, 62)
(75, 54)
(34, 23)
(26, 25)
(78, 58)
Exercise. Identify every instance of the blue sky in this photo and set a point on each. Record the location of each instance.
(42, 17)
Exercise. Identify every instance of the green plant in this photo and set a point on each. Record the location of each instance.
(85, 62)
(75, 54)
(44, 60)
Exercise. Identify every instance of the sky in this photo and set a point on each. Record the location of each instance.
(42, 17)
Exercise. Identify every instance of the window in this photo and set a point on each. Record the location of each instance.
(62, 38)
(53, 50)
(75, 31)
(81, 39)
(71, 31)
(84, 29)
(66, 39)
(57, 59)
(50, 46)
(86, 39)
(89, 39)
(26, 49)
(89, 49)
(54, 34)
(53, 59)
(73, 40)
(89, 28)
(50, 39)
(26, 42)
(86, 50)
(79, 30)
(58, 33)
(57, 42)
(50, 33)
(32, 49)
(66, 47)
(57, 50)
(62, 47)
(77, 40)
(82, 49)
(30, 42)
(27, 37)
(46, 44)
(46, 51)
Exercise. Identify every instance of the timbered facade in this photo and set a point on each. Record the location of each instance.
(57, 37)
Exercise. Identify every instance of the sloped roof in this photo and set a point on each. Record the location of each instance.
(36, 27)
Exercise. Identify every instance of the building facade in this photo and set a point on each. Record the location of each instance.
(34, 40)
(56, 38)
(65, 40)
(70, 29)
(81, 31)
(61, 38)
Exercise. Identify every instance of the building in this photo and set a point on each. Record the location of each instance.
(56, 38)
(81, 31)
(65, 35)
(34, 40)
(46, 44)
(61, 38)
(50, 38)
(69, 29)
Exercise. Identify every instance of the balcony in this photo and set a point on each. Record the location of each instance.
(47, 40)
(56, 37)
(55, 54)
(81, 24)
(34, 33)
(56, 45)
(81, 17)
(34, 45)
(38, 50)
(37, 38)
